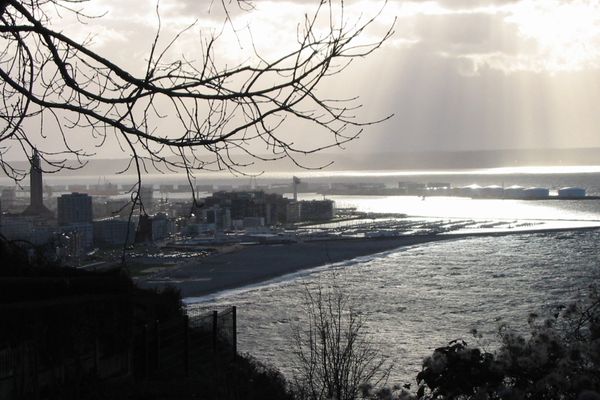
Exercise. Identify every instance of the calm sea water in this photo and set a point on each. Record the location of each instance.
(418, 298)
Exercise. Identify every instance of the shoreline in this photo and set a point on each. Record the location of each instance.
(259, 263)
(256, 264)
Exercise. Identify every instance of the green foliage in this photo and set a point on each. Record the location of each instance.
(559, 359)
(457, 370)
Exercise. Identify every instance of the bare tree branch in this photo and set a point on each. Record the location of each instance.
(220, 113)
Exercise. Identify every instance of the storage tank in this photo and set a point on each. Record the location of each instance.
(473, 190)
(492, 191)
(514, 192)
(571, 192)
(536, 193)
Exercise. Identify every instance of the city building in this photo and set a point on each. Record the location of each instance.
(162, 226)
(9, 198)
(31, 228)
(147, 198)
(217, 216)
(151, 228)
(317, 210)
(113, 232)
(80, 235)
(74, 208)
(313, 210)
(271, 207)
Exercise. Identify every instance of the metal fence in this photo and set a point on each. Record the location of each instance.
(54, 345)
(76, 349)
(181, 345)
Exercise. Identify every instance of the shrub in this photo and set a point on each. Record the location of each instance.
(559, 359)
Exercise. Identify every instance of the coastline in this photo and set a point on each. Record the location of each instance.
(259, 263)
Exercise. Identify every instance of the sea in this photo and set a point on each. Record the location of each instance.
(415, 299)
(418, 298)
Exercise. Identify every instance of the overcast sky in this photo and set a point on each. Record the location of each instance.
(457, 74)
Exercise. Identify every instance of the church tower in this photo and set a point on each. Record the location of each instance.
(36, 187)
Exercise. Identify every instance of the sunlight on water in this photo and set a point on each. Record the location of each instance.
(461, 207)
(320, 174)
(419, 298)
(533, 170)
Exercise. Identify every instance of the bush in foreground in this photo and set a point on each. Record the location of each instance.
(559, 359)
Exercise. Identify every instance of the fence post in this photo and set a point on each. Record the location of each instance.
(157, 344)
(97, 356)
(146, 351)
(36, 376)
(214, 330)
(186, 342)
(234, 331)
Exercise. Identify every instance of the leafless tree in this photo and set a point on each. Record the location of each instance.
(334, 353)
(47, 75)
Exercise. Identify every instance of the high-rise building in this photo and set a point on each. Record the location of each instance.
(147, 198)
(36, 187)
(74, 208)
(9, 198)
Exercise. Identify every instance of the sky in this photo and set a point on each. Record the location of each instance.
(456, 74)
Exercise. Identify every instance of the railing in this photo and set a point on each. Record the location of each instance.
(180, 345)
(174, 347)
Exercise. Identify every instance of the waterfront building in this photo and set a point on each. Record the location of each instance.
(313, 210)
(74, 208)
(317, 210)
(293, 212)
(271, 207)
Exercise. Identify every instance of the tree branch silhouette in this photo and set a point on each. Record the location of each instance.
(220, 111)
